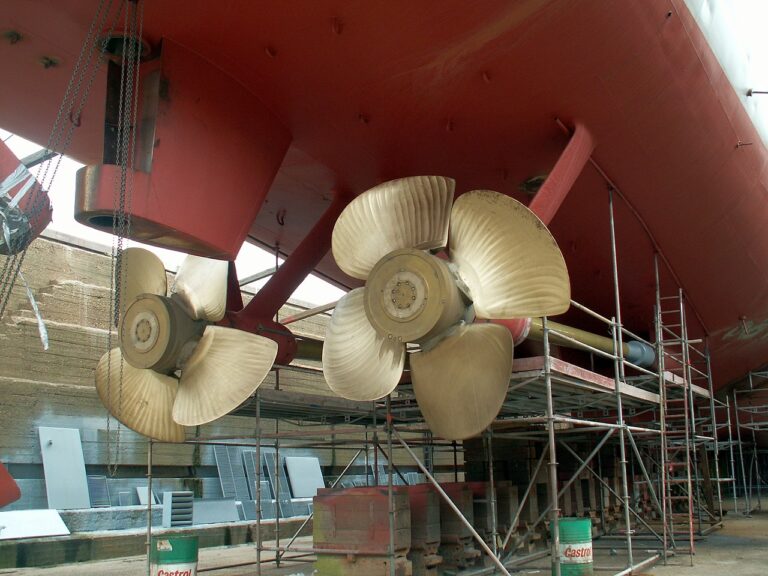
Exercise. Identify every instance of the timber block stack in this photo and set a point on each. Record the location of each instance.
(457, 546)
(425, 530)
(507, 504)
(608, 508)
(482, 509)
(593, 511)
(352, 525)
(642, 499)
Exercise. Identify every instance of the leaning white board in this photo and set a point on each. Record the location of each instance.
(31, 524)
(304, 475)
(143, 493)
(65, 481)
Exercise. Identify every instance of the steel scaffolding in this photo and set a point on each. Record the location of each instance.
(552, 406)
(750, 407)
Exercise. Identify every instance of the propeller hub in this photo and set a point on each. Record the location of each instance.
(411, 296)
(154, 332)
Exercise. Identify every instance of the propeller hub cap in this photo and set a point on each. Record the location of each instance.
(407, 293)
(410, 294)
(154, 331)
(144, 330)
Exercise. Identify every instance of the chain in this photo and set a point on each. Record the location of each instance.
(86, 66)
(122, 198)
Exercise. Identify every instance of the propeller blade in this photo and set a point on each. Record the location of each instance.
(141, 272)
(142, 401)
(225, 368)
(405, 213)
(201, 287)
(507, 257)
(461, 383)
(359, 363)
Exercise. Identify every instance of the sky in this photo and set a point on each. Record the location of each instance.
(735, 30)
(313, 291)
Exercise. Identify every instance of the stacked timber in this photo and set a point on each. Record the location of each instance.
(507, 504)
(425, 530)
(457, 546)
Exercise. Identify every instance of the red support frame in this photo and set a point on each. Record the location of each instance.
(550, 197)
(258, 316)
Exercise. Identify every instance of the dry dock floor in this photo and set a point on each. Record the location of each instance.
(739, 549)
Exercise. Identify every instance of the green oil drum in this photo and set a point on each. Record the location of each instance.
(173, 556)
(575, 546)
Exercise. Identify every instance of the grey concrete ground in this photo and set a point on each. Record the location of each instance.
(740, 549)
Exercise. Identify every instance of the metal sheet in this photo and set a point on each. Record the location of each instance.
(284, 494)
(305, 475)
(242, 491)
(267, 508)
(98, 490)
(214, 511)
(302, 506)
(177, 508)
(65, 482)
(249, 461)
(232, 472)
(249, 509)
(224, 466)
(31, 524)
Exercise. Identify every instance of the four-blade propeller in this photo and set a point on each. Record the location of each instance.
(501, 263)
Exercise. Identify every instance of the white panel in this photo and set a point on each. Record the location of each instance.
(141, 492)
(65, 481)
(31, 524)
(305, 476)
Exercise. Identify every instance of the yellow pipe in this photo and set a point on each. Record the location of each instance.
(602, 343)
(311, 349)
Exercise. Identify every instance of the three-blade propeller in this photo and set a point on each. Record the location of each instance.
(173, 367)
(501, 263)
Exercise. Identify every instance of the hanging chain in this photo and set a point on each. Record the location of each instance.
(122, 201)
(75, 98)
